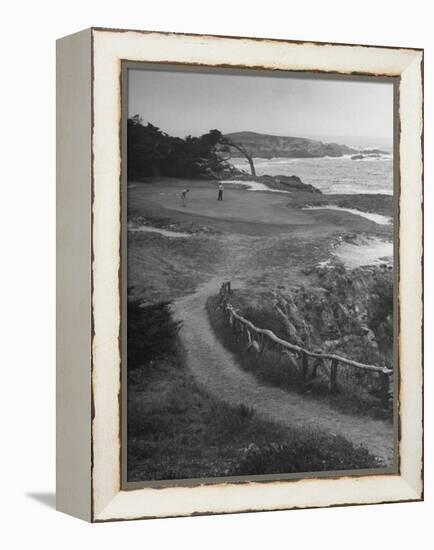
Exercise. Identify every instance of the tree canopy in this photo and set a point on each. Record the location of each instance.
(152, 152)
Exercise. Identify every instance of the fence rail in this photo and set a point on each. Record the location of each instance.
(257, 337)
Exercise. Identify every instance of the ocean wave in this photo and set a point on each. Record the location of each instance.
(260, 161)
(376, 158)
(332, 175)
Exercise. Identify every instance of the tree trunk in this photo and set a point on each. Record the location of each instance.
(241, 149)
(252, 166)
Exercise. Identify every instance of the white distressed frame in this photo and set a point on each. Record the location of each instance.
(109, 502)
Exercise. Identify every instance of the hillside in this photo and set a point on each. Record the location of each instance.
(269, 146)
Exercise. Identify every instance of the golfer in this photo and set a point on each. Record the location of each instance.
(184, 196)
(220, 197)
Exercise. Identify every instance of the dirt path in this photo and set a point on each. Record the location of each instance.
(216, 370)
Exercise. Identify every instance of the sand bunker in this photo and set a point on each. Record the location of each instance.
(255, 186)
(365, 252)
(150, 229)
(377, 218)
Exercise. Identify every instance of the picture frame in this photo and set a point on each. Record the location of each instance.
(91, 208)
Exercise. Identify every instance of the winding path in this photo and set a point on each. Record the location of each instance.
(216, 370)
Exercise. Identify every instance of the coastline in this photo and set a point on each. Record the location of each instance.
(331, 175)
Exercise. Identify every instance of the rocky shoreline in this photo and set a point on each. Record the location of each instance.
(279, 182)
(270, 146)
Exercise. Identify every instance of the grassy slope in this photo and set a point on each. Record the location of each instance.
(177, 431)
(161, 268)
(273, 369)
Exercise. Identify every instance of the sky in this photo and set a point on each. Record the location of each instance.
(182, 103)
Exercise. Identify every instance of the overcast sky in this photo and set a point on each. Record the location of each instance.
(182, 103)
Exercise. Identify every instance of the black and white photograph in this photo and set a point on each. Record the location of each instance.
(259, 274)
(217, 228)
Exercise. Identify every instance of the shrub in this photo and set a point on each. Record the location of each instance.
(152, 333)
(305, 453)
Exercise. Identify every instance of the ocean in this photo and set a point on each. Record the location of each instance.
(331, 175)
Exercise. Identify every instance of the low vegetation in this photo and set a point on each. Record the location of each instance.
(151, 333)
(177, 431)
(351, 317)
(161, 269)
(307, 452)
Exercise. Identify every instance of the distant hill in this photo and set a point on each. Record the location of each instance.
(269, 146)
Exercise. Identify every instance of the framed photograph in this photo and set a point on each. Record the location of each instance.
(239, 274)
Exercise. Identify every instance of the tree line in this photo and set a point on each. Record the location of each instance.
(152, 152)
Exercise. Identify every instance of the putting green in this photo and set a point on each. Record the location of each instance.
(238, 203)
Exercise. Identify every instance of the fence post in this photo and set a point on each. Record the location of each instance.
(314, 370)
(334, 376)
(258, 343)
(304, 366)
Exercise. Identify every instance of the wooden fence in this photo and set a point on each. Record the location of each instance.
(258, 338)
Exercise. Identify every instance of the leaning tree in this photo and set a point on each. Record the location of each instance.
(248, 154)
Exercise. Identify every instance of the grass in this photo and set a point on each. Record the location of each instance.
(161, 268)
(310, 452)
(177, 431)
(276, 370)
